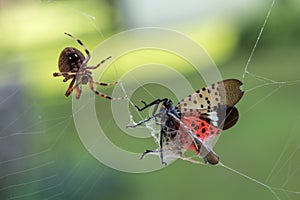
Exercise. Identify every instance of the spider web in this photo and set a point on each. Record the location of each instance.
(279, 192)
(39, 160)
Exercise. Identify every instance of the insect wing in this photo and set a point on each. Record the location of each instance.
(209, 111)
(200, 127)
(214, 103)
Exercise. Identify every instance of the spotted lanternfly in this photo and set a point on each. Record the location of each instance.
(195, 120)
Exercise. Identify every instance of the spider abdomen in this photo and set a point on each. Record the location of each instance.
(70, 60)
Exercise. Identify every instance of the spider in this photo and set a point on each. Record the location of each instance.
(73, 65)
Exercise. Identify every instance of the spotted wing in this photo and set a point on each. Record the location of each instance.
(201, 128)
(213, 104)
(206, 113)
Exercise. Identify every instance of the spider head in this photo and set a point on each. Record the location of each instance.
(70, 60)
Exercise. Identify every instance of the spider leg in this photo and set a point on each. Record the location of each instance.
(70, 88)
(91, 82)
(55, 74)
(78, 91)
(104, 84)
(100, 63)
(81, 44)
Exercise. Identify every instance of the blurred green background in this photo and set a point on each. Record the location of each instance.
(41, 154)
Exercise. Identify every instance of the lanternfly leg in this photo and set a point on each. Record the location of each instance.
(152, 152)
(157, 101)
(161, 148)
(143, 121)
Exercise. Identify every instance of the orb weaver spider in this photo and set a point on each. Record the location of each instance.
(72, 64)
